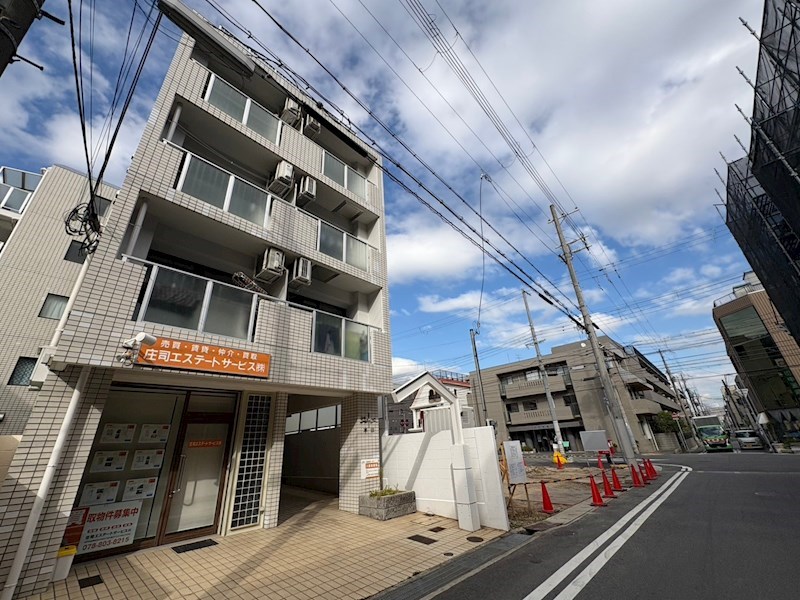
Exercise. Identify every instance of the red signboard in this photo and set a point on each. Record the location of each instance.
(179, 354)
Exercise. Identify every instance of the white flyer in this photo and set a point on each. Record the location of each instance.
(117, 433)
(102, 492)
(139, 489)
(108, 460)
(148, 459)
(154, 432)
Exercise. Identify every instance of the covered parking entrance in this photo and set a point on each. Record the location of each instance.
(311, 450)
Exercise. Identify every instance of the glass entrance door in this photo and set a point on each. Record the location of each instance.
(198, 473)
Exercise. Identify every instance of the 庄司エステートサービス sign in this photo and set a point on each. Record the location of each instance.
(179, 354)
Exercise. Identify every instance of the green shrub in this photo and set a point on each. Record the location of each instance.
(389, 491)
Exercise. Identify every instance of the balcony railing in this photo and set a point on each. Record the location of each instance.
(242, 108)
(525, 417)
(218, 187)
(343, 175)
(16, 187)
(340, 245)
(179, 299)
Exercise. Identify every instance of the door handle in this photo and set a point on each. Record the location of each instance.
(179, 481)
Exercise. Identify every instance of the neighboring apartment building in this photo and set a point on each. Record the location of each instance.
(766, 238)
(516, 401)
(763, 210)
(237, 171)
(763, 353)
(38, 267)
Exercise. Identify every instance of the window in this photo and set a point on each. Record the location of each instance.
(53, 306)
(528, 405)
(316, 419)
(569, 399)
(512, 408)
(532, 375)
(21, 375)
(74, 253)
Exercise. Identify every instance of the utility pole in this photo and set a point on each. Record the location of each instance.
(612, 402)
(694, 408)
(680, 403)
(481, 399)
(545, 381)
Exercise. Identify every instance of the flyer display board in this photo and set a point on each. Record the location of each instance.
(109, 526)
(516, 465)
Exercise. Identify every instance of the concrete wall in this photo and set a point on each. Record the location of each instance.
(421, 462)
(667, 442)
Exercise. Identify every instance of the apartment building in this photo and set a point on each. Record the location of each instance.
(231, 335)
(515, 398)
(764, 354)
(37, 278)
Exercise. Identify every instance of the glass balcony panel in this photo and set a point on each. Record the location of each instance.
(206, 182)
(248, 202)
(334, 168)
(356, 341)
(228, 312)
(327, 334)
(263, 122)
(176, 300)
(227, 98)
(16, 199)
(356, 253)
(12, 177)
(331, 241)
(356, 183)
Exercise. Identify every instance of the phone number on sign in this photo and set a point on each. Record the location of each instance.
(117, 541)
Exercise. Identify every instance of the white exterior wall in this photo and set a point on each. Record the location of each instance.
(422, 462)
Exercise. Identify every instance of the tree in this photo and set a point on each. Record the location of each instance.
(664, 423)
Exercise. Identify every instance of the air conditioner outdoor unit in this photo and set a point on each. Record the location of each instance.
(308, 189)
(312, 127)
(301, 273)
(282, 181)
(291, 112)
(271, 266)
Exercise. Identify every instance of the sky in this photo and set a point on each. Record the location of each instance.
(620, 109)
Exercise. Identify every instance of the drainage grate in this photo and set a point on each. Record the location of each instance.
(422, 539)
(194, 546)
(474, 538)
(436, 529)
(90, 581)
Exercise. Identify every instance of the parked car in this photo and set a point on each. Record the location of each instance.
(747, 438)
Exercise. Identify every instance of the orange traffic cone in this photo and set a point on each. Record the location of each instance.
(597, 500)
(652, 468)
(617, 486)
(559, 463)
(637, 482)
(600, 462)
(607, 491)
(547, 505)
(645, 478)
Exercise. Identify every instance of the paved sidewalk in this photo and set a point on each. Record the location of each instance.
(318, 552)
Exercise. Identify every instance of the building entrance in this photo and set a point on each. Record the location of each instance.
(157, 470)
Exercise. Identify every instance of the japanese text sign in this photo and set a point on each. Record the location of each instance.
(109, 526)
(193, 356)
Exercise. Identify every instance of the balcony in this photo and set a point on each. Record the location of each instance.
(328, 158)
(665, 403)
(222, 189)
(16, 188)
(214, 185)
(175, 298)
(520, 389)
(242, 108)
(528, 417)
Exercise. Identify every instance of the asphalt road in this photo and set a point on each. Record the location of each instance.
(729, 528)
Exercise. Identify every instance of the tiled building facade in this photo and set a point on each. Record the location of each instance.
(236, 173)
(515, 399)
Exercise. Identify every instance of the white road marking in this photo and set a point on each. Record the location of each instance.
(576, 585)
(552, 582)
